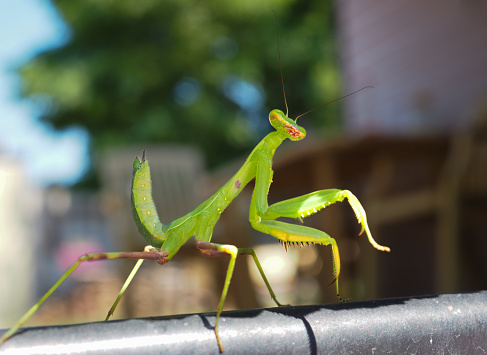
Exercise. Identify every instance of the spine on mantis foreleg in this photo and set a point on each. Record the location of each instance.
(143, 207)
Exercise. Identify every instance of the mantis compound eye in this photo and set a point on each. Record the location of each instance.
(274, 116)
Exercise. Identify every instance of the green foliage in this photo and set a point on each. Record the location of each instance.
(120, 73)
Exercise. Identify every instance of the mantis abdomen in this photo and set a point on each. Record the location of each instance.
(143, 207)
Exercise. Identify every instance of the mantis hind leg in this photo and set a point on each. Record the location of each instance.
(129, 279)
(213, 249)
(149, 254)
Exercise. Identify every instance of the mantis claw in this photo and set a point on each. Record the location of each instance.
(344, 300)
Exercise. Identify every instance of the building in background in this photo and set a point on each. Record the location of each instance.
(425, 60)
(20, 206)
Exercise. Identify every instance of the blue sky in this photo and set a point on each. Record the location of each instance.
(28, 27)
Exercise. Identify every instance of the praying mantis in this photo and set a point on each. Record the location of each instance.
(166, 239)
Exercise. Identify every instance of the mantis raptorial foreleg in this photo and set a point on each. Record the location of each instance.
(306, 205)
(263, 216)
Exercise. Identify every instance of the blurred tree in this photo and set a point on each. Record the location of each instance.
(199, 72)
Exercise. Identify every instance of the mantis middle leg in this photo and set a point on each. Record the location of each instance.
(213, 249)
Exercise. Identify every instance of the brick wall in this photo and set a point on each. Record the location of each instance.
(427, 61)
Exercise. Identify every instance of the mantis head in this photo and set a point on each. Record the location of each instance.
(286, 126)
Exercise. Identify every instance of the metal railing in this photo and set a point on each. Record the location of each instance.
(450, 324)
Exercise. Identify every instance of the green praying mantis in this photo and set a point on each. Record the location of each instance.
(166, 239)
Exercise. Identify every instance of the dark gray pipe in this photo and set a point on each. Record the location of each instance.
(445, 324)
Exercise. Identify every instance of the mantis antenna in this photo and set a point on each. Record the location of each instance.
(330, 102)
(280, 65)
(284, 90)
